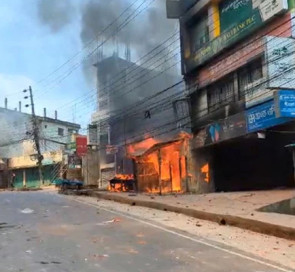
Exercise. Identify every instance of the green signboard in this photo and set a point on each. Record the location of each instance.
(230, 10)
(72, 146)
(237, 22)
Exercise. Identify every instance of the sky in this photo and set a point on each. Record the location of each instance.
(39, 36)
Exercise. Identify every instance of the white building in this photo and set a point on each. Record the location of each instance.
(17, 145)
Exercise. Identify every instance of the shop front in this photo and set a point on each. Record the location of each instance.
(247, 151)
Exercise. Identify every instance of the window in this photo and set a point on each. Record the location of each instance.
(199, 33)
(221, 93)
(181, 108)
(60, 132)
(249, 74)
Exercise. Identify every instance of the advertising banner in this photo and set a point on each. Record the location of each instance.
(81, 145)
(280, 59)
(232, 127)
(239, 18)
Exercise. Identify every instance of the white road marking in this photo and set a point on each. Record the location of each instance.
(188, 237)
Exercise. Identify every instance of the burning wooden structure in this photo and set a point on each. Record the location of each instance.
(162, 167)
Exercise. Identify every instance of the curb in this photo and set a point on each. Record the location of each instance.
(222, 219)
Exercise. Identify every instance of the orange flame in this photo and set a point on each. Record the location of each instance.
(162, 170)
(205, 170)
(120, 187)
(141, 147)
(124, 177)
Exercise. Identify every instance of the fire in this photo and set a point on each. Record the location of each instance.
(121, 183)
(162, 170)
(160, 167)
(183, 167)
(124, 177)
(205, 171)
(141, 147)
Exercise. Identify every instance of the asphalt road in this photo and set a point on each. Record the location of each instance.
(44, 232)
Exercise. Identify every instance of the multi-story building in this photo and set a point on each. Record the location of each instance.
(238, 63)
(134, 104)
(17, 145)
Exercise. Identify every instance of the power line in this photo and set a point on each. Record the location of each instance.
(137, 11)
(258, 37)
(89, 42)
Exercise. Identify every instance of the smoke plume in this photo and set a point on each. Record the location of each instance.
(144, 32)
(55, 14)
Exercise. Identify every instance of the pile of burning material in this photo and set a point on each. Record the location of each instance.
(122, 183)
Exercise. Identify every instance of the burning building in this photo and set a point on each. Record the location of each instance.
(162, 167)
(130, 107)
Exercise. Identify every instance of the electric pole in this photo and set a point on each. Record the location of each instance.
(36, 134)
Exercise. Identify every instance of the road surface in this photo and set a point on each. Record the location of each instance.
(44, 232)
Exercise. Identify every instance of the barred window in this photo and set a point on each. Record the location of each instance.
(221, 93)
(248, 74)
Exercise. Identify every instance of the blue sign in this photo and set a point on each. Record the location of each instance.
(285, 103)
(263, 116)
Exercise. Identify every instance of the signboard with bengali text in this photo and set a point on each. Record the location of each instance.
(280, 57)
(285, 103)
(263, 116)
(239, 18)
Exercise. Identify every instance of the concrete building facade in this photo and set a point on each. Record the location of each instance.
(17, 145)
(238, 62)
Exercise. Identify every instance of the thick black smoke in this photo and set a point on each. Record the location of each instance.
(143, 33)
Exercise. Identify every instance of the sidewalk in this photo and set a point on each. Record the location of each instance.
(236, 209)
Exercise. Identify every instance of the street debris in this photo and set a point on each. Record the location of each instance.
(100, 256)
(115, 220)
(27, 211)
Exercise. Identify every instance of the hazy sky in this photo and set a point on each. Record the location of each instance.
(38, 37)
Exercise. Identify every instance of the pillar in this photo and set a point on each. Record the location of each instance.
(24, 178)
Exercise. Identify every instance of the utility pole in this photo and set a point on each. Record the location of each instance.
(36, 134)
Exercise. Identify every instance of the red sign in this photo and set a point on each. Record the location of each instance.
(81, 145)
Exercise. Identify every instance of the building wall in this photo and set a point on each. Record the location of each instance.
(16, 141)
(52, 157)
(229, 63)
(126, 116)
(224, 159)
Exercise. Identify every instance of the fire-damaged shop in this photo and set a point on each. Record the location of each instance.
(163, 167)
